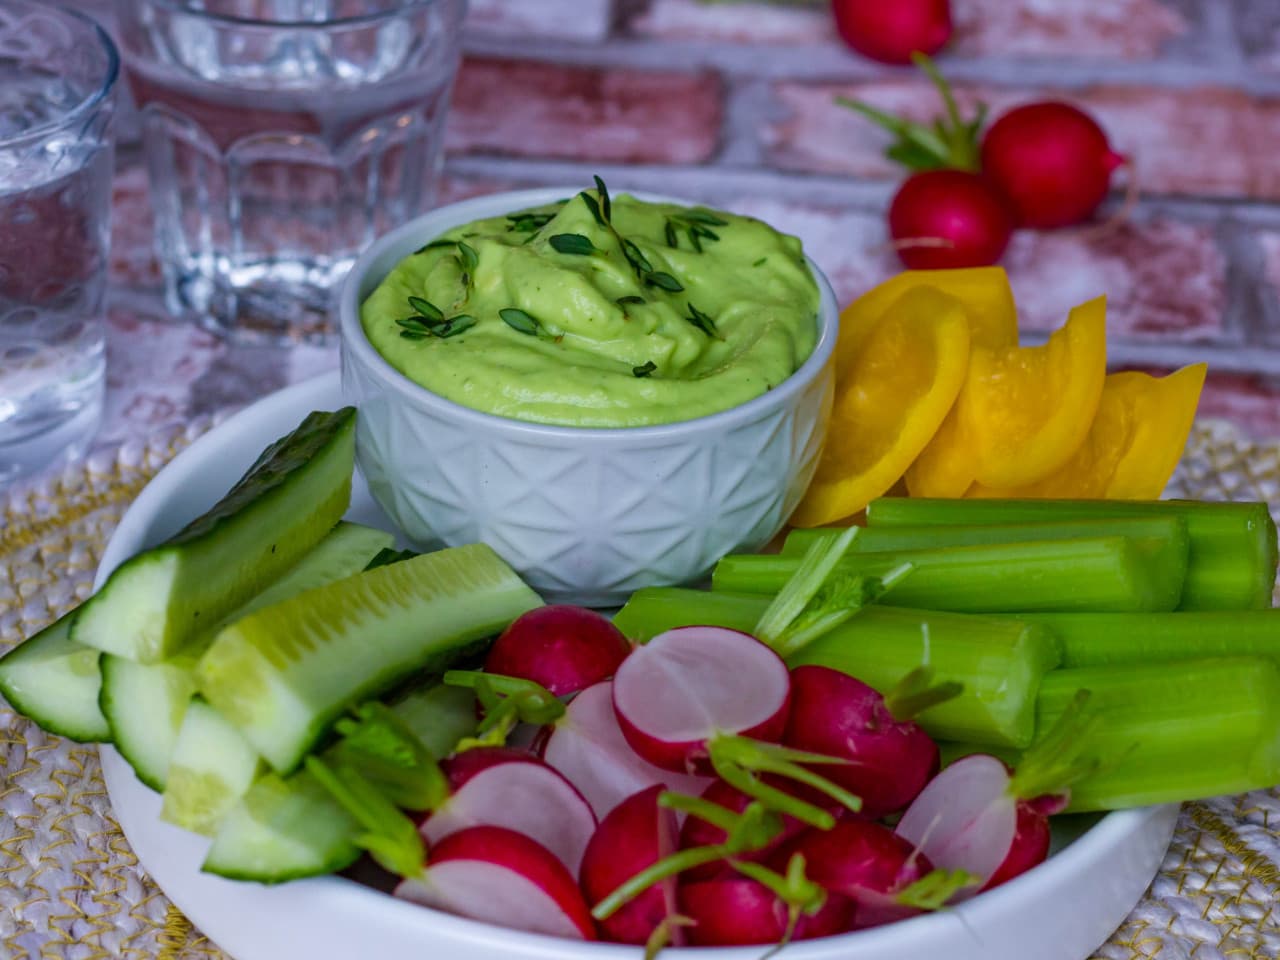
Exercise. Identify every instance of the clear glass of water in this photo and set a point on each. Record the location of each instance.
(58, 74)
(282, 137)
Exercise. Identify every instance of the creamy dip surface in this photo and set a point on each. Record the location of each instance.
(598, 312)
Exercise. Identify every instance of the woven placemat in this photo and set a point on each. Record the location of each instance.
(71, 888)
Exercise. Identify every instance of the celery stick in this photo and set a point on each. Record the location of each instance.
(1098, 639)
(889, 539)
(1233, 555)
(1176, 731)
(1000, 665)
(1096, 574)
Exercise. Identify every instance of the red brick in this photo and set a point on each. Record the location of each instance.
(1176, 137)
(529, 109)
(1250, 402)
(754, 23)
(581, 20)
(1163, 280)
(1098, 29)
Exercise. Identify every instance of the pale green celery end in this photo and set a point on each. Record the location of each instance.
(815, 568)
(651, 610)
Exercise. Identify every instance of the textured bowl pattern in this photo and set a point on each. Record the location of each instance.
(585, 515)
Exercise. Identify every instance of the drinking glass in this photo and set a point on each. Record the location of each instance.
(283, 136)
(57, 96)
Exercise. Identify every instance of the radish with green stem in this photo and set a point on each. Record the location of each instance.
(890, 758)
(688, 686)
(505, 703)
(979, 816)
(705, 827)
(501, 877)
(587, 746)
(502, 787)
(563, 648)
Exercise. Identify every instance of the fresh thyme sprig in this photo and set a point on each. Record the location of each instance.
(428, 320)
(702, 321)
(526, 323)
(696, 224)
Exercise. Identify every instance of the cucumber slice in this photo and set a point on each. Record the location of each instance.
(289, 828)
(55, 681)
(283, 829)
(283, 674)
(145, 704)
(164, 598)
(212, 767)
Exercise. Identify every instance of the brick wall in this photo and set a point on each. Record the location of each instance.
(731, 104)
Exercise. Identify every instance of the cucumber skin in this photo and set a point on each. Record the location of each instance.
(171, 594)
(78, 685)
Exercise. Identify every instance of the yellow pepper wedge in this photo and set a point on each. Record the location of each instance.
(984, 291)
(903, 379)
(1134, 444)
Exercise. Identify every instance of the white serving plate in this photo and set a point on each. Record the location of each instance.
(1061, 910)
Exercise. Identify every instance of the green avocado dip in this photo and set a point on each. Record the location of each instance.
(599, 312)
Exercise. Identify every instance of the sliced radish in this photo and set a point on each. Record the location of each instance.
(682, 688)
(697, 832)
(738, 911)
(634, 836)
(835, 714)
(965, 818)
(1029, 848)
(587, 746)
(493, 786)
(501, 877)
(564, 648)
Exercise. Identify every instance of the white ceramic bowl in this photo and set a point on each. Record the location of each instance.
(585, 515)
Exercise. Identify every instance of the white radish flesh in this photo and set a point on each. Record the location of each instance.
(501, 877)
(588, 748)
(522, 794)
(679, 690)
(965, 818)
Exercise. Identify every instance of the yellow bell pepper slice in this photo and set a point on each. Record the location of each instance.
(904, 378)
(1134, 444)
(984, 291)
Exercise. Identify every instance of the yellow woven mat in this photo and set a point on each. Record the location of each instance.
(70, 887)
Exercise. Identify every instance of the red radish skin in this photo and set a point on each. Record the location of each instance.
(698, 833)
(891, 31)
(1030, 846)
(737, 911)
(1051, 161)
(587, 746)
(678, 691)
(502, 877)
(501, 787)
(837, 715)
(943, 219)
(634, 836)
(564, 648)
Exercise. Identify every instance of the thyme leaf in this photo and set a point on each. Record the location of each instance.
(606, 205)
(672, 240)
(631, 298)
(425, 308)
(664, 281)
(455, 325)
(520, 321)
(594, 206)
(574, 243)
(644, 369)
(702, 321)
(528, 222)
(470, 259)
(434, 245)
(635, 256)
(699, 215)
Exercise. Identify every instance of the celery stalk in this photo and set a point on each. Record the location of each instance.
(1233, 555)
(1099, 639)
(1176, 731)
(889, 539)
(998, 661)
(1096, 574)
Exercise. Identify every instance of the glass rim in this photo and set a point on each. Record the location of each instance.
(104, 88)
(359, 19)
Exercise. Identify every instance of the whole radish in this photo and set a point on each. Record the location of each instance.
(860, 859)
(501, 877)
(684, 688)
(698, 832)
(979, 816)
(890, 758)
(1051, 161)
(891, 31)
(635, 835)
(564, 648)
(501, 787)
(943, 219)
(734, 910)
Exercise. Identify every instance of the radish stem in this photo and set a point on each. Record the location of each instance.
(916, 692)
(391, 837)
(932, 891)
(733, 754)
(1233, 548)
(380, 747)
(1062, 756)
(666, 867)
